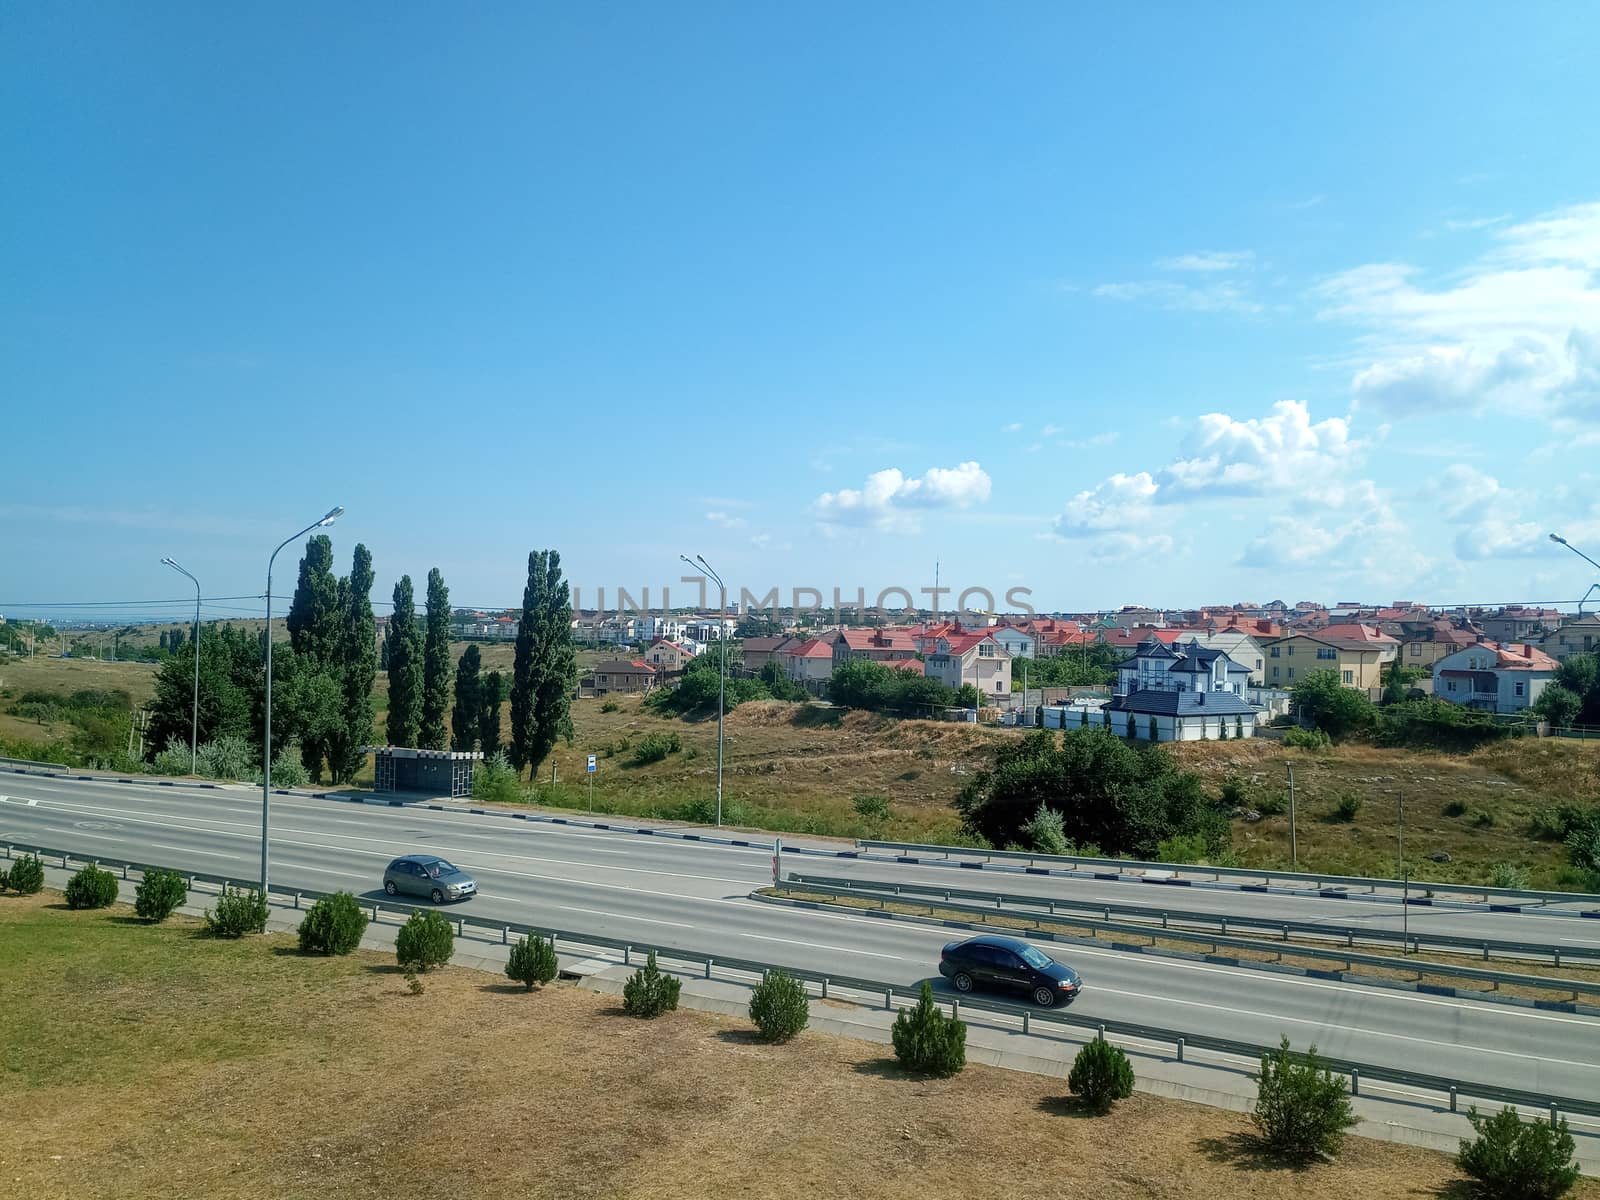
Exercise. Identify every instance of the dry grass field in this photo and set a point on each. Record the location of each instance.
(141, 1061)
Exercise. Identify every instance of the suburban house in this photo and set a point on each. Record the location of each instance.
(759, 651)
(1018, 643)
(879, 645)
(1440, 638)
(1180, 693)
(1515, 623)
(810, 661)
(1578, 636)
(1357, 653)
(653, 628)
(1241, 647)
(1496, 677)
(668, 658)
(710, 627)
(973, 657)
(618, 676)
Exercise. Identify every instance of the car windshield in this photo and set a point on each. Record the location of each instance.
(438, 867)
(1036, 959)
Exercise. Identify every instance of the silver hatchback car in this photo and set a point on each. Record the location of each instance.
(428, 875)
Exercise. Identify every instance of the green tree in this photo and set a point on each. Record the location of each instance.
(1101, 1075)
(532, 962)
(314, 613)
(1558, 705)
(1580, 675)
(1394, 682)
(1338, 711)
(545, 669)
(436, 666)
(405, 668)
(1513, 1159)
(229, 666)
(357, 669)
(469, 700)
(495, 691)
(927, 1041)
(1302, 1107)
(164, 639)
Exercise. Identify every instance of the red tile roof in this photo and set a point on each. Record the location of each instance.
(905, 664)
(1366, 635)
(815, 648)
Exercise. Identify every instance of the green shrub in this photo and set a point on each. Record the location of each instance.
(610, 706)
(1185, 848)
(927, 1041)
(1047, 831)
(26, 875)
(496, 780)
(533, 961)
(648, 993)
(424, 941)
(334, 925)
(159, 893)
(779, 1006)
(227, 758)
(1458, 808)
(1513, 1159)
(238, 912)
(654, 747)
(1302, 1107)
(1348, 806)
(1482, 817)
(92, 888)
(1307, 739)
(1273, 804)
(176, 758)
(1101, 1075)
(288, 769)
(1508, 875)
(871, 808)
(1235, 794)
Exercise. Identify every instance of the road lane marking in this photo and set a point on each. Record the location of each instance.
(192, 850)
(595, 912)
(762, 937)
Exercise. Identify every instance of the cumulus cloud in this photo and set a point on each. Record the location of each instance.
(1355, 532)
(725, 520)
(1121, 503)
(1223, 455)
(1516, 331)
(890, 500)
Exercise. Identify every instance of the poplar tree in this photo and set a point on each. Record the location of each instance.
(436, 666)
(314, 613)
(493, 696)
(545, 668)
(469, 701)
(358, 668)
(405, 668)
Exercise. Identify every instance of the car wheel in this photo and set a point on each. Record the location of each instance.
(1044, 997)
(438, 896)
(961, 981)
(389, 887)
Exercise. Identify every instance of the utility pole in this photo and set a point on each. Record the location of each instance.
(1405, 879)
(1294, 843)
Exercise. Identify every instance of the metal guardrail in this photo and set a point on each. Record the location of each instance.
(1053, 1020)
(885, 895)
(1122, 866)
(28, 762)
(1415, 939)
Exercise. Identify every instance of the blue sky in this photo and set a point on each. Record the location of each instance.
(1153, 305)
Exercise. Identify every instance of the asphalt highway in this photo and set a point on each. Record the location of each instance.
(694, 896)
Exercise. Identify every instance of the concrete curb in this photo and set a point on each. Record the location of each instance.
(1225, 960)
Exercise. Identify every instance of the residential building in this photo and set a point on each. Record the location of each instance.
(1019, 643)
(973, 657)
(668, 658)
(879, 645)
(759, 651)
(1496, 677)
(618, 676)
(1180, 693)
(1357, 653)
(710, 627)
(1427, 646)
(1515, 623)
(810, 661)
(664, 627)
(1580, 635)
(1241, 647)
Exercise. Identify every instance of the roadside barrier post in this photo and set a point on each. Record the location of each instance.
(1355, 1081)
(1180, 1049)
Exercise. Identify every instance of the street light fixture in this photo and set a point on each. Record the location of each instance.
(722, 647)
(1561, 541)
(194, 726)
(266, 733)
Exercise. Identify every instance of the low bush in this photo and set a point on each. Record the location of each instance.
(871, 808)
(1101, 1075)
(610, 706)
(927, 1041)
(334, 925)
(176, 759)
(237, 913)
(1272, 805)
(424, 941)
(1185, 848)
(1235, 794)
(496, 781)
(1482, 818)
(1307, 739)
(779, 1006)
(92, 888)
(159, 893)
(1458, 808)
(227, 758)
(1508, 875)
(532, 962)
(1302, 1107)
(648, 993)
(654, 747)
(1348, 806)
(1047, 831)
(1513, 1159)
(288, 769)
(26, 875)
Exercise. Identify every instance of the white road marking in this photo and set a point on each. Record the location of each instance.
(192, 850)
(762, 937)
(595, 912)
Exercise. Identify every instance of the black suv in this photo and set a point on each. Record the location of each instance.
(1009, 964)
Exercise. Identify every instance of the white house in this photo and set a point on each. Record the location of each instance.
(1498, 677)
(665, 627)
(1243, 649)
(1017, 642)
(1180, 693)
(971, 657)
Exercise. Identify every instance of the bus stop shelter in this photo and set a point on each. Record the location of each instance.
(432, 772)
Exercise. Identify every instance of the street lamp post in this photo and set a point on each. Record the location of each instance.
(722, 647)
(194, 725)
(266, 733)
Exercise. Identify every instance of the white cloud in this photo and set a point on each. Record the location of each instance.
(890, 500)
(1098, 439)
(761, 540)
(1355, 532)
(726, 521)
(1491, 515)
(1014, 427)
(1118, 547)
(1222, 296)
(1121, 503)
(1285, 451)
(1208, 260)
(1467, 224)
(1517, 331)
